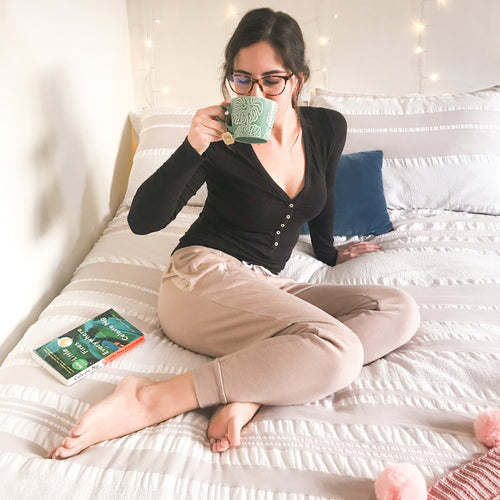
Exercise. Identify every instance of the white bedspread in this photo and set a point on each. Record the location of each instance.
(416, 405)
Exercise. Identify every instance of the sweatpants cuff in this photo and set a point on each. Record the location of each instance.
(208, 384)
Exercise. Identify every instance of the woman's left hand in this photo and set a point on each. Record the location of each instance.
(353, 250)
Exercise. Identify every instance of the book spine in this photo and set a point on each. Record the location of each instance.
(85, 372)
(123, 350)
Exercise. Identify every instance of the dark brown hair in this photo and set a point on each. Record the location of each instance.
(278, 29)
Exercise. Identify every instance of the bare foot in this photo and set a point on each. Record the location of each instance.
(128, 410)
(226, 424)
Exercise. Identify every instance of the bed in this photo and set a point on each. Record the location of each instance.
(440, 184)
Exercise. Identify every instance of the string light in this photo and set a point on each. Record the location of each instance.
(151, 25)
(419, 27)
(422, 27)
(325, 25)
(231, 11)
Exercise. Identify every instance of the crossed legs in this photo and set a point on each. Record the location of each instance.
(274, 342)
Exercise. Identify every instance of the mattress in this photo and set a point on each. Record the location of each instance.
(415, 405)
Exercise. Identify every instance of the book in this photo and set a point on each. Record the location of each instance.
(95, 343)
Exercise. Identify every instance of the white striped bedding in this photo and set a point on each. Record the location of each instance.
(416, 405)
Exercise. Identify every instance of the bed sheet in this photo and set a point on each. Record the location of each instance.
(416, 405)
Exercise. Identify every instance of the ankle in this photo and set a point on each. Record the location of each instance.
(168, 398)
(143, 394)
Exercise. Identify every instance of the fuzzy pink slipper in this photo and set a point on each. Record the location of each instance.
(401, 482)
(487, 428)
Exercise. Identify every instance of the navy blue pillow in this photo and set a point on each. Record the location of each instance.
(360, 207)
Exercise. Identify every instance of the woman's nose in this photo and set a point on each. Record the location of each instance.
(256, 90)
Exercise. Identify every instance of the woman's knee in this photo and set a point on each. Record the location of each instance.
(405, 310)
(345, 365)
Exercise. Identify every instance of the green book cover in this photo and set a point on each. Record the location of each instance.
(80, 351)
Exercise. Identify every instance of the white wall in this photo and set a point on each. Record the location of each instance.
(66, 90)
(370, 45)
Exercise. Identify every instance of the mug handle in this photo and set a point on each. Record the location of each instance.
(227, 137)
(227, 121)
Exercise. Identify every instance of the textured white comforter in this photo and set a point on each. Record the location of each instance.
(416, 405)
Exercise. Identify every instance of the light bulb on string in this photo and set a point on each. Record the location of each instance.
(231, 11)
(419, 26)
(422, 27)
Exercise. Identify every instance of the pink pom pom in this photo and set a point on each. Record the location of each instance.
(401, 482)
(487, 428)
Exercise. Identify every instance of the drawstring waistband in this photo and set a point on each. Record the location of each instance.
(255, 267)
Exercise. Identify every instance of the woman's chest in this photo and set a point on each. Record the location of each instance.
(285, 166)
(241, 189)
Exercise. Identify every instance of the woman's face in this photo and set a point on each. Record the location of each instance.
(261, 59)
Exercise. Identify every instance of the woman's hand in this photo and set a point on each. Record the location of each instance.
(205, 128)
(353, 250)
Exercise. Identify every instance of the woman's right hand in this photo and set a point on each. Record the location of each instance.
(205, 128)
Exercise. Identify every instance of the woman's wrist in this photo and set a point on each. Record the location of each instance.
(199, 148)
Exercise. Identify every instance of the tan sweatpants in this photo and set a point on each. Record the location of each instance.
(275, 341)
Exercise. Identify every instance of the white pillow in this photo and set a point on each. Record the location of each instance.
(160, 132)
(440, 152)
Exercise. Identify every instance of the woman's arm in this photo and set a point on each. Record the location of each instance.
(321, 227)
(160, 197)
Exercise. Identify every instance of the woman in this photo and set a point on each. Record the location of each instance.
(274, 341)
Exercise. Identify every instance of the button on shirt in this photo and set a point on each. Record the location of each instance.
(247, 214)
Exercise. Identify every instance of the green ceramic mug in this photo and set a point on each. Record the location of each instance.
(250, 119)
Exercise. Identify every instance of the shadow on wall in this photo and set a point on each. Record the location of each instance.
(66, 211)
(67, 195)
(61, 166)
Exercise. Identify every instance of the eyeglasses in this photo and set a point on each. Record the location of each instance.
(271, 85)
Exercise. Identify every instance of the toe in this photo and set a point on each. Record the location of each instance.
(234, 433)
(223, 444)
(70, 442)
(220, 445)
(78, 429)
(56, 453)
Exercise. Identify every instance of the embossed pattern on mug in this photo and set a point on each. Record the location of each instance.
(246, 111)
